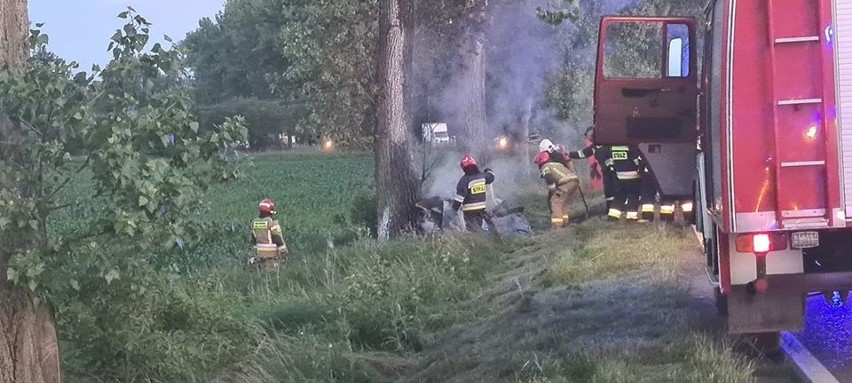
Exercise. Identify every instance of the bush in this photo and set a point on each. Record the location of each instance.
(174, 333)
(264, 119)
(364, 212)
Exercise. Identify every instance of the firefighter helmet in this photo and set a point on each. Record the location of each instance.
(542, 158)
(266, 206)
(467, 160)
(546, 145)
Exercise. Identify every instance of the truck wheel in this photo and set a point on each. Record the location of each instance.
(768, 343)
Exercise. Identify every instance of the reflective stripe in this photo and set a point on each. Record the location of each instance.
(459, 198)
(667, 209)
(260, 225)
(687, 207)
(647, 208)
(565, 218)
(476, 186)
(632, 215)
(614, 213)
(474, 206)
(629, 175)
(557, 220)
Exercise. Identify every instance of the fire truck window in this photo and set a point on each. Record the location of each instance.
(634, 50)
(677, 36)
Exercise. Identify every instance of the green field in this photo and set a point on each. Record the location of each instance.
(572, 306)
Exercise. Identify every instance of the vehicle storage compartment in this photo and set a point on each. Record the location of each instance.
(842, 35)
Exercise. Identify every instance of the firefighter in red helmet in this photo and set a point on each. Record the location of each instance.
(561, 182)
(471, 193)
(267, 237)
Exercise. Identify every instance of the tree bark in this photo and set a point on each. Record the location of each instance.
(14, 32)
(473, 53)
(29, 352)
(396, 183)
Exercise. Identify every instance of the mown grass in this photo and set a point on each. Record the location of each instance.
(603, 302)
(603, 250)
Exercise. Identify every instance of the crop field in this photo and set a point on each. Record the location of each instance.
(314, 194)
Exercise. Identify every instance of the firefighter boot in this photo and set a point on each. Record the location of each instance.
(647, 212)
(667, 211)
(614, 214)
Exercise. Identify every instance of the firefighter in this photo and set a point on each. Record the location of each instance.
(626, 163)
(471, 193)
(556, 153)
(562, 183)
(266, 236)
(602, 155)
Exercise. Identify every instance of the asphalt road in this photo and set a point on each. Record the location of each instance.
(828, 335)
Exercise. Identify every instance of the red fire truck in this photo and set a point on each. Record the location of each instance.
(761, 139)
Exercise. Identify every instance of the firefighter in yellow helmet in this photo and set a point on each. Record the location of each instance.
(267, 237)
(562, 183)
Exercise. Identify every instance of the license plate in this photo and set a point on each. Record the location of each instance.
(804, 239)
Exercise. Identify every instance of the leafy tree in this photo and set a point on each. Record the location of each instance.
(264, 119)
(149, 164)
(236, 53)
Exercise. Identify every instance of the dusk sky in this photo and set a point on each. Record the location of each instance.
(79, 30)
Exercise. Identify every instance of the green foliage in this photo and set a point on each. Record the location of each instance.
(317, 54)
(235, 54)
(568, 12)
(364, 212)
(265, 120)
(148, 164)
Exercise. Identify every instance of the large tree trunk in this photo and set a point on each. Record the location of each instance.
(475, 116)
(396, 184)
(28, 349)
(14, 32)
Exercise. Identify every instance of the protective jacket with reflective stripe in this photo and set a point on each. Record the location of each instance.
(626, 162)
(555, 174)
(265, 231)
(470, 191)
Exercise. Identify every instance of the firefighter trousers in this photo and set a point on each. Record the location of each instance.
(610, 185)
(559, 200)
(647, 198)
(474, 219)
(626, 200)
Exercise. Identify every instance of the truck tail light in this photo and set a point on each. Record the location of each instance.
(804, 239)
(761, 242)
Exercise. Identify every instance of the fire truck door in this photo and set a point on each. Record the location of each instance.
(646, 81)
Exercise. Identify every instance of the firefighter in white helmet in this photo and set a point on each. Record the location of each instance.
(562, 183)
(267, 237)
(556, 153)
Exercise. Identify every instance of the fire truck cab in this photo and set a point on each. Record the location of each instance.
(761, 138)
